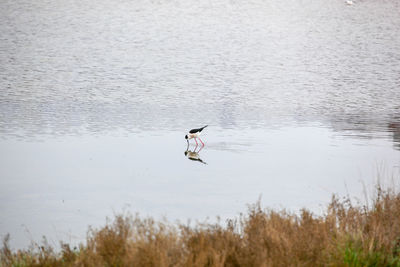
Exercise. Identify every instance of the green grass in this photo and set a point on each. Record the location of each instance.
(346, 235)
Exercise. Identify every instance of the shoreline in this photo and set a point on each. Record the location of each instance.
(346, 234)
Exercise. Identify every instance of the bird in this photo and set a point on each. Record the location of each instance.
(194, 133)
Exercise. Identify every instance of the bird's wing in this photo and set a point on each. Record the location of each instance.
(195, 130)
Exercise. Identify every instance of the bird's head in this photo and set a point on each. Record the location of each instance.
(186, 137)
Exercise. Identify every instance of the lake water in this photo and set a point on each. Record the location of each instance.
(302, 99)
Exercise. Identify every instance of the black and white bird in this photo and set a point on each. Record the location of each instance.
(194, 133)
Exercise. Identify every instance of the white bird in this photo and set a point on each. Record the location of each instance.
(194, 133)
(349, 2)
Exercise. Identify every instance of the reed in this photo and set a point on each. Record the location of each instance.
(346, 235)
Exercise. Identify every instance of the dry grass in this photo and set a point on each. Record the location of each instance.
(346, 235)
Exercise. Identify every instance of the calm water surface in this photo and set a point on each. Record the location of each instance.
(302, 99)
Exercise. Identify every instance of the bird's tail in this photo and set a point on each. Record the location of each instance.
(203, 127)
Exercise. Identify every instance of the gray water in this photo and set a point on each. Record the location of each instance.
(302, 99)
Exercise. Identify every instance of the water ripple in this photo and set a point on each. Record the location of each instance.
(146, 65)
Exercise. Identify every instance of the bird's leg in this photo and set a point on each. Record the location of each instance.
(196, 141)
(201, 141)
(194, 150)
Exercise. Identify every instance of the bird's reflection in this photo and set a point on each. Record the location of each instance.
(193, 154)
